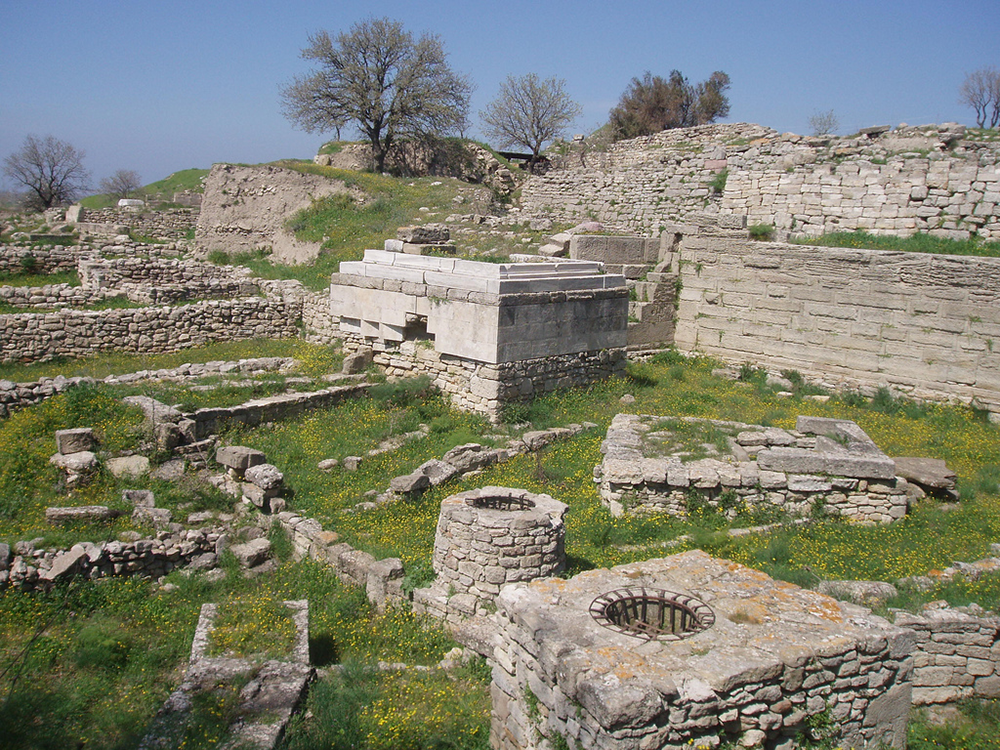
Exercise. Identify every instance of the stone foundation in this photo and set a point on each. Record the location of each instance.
(651, 464)
(485, 388)
(775, 657)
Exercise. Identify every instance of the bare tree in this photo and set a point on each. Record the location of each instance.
(379, 78)
(981, 91)
(651, 104)
(51, 170)
(824, 123)
(124, 183)
(529, 112)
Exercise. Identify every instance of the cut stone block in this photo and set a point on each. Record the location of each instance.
(91, 513)
(239, 457)
(75, 440)
(265, 476)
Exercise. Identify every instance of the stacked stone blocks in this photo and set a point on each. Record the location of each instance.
(775, 657)
(823, 463)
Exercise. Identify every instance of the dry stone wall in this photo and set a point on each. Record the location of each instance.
(762, 659)
(909, 180)
(173, 224)
(924, 325)
(32, 337)
(957, 655)
(46, 259)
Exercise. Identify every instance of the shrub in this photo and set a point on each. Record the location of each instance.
(718, 183)
(761, 232)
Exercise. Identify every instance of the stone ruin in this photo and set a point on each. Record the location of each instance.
(487, 538)
(690, 651)
(488, 334)
(273, 689)
(667, 464)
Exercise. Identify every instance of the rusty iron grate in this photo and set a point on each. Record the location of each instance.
(652, 613)
(502, 502)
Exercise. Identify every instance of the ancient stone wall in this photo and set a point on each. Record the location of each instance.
(152, 558)
(486, 538)
(31, 337)
(593, 660)
(53, 295)
(824, 465)
(957, 655)
(910, 180)
(924, 325)
(46, 259)
(176, 223)
(164, 281)
(486, 388)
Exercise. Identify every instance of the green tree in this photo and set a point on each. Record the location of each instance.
(50, 169)
(378, 77)
(529, 112)
(651, 104)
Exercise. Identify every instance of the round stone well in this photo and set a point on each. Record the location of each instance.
(690, 650)
(492, 536)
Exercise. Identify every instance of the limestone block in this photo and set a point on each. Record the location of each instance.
(80, 463)
(238, 457)
(128, 466)
(75, 440)
(252, 553)
(265, 476)
(81, 513)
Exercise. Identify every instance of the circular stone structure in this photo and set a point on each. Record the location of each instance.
(492, 536)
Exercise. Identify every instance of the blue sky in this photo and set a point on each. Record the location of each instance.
(160, 86)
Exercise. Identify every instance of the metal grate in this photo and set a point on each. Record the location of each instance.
(502, 502)
(652, 613)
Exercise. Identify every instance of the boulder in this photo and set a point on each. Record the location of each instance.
(358, 361)
(930, 474)
(413, 482)
(865, 593)
(152, 516)
(81, 463)
(252, 553)
(65, 564)
(265, 476)
(426, 234)
(139, 498)
(128, 466)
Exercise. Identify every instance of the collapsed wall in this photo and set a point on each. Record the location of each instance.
(246, 208)
(930, 179)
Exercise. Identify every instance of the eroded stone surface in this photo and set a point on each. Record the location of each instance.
(775, 656)
(666, 464)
